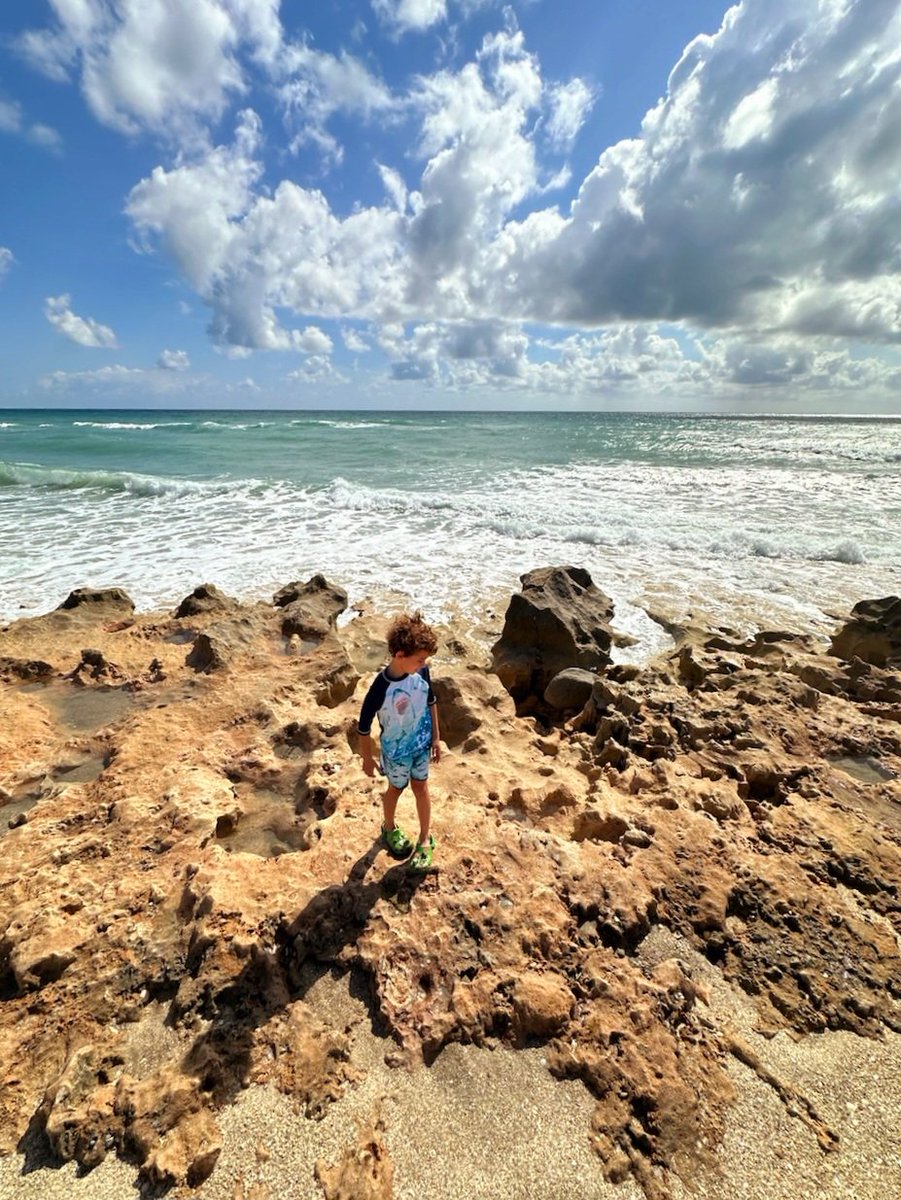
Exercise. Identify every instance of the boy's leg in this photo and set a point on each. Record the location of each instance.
(389, 804)
(397, 842)
(423, 808)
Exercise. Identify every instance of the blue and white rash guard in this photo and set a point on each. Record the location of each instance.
(402, 707)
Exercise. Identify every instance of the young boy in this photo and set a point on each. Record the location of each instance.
(401, 697)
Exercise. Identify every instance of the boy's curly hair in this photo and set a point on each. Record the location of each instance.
(409, 633)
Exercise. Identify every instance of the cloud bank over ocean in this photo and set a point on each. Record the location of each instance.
(459, 222)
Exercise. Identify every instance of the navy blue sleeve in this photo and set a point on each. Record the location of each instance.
(427, 676)
(372, 702)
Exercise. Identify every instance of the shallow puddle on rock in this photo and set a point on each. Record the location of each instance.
(14, 809)
(85, 770)
(85, 709)
(268, 827)
(367, 656)
(296, 647)
(865, 769)
(181, 637)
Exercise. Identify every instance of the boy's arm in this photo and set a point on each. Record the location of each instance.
(364, 745)
(435, 749)
(371, 704)
(436, 735)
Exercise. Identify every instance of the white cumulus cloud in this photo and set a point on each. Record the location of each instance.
(759, 193)
(757, 205)
(314, 85)
(407, 15)
(569, 105)
(6, 260)
(314, 340)
(83, 330)
(318, 368)
(14, 121)
(157, 64)
(174, 360)
(354, 343)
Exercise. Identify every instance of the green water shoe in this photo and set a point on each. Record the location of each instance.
(422, 857)
(396, 842)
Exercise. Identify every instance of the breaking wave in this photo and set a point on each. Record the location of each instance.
(57, 479)
(127, 424)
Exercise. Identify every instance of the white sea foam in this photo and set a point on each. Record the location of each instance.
(847, 551)
(232, 425)
(675, 523)
(346, 424)
(125, 424)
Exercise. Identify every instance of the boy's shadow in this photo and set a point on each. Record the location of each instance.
(335, 917)
(305, 950)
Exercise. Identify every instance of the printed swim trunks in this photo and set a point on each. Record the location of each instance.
(399, 771)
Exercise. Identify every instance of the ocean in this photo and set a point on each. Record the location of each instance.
(745, 522)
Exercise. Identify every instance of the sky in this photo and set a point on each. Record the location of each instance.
(574, 204)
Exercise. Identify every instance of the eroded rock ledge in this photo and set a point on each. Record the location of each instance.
(187, 840)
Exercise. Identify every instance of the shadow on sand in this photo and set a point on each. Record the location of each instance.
(304, 950)
(278, 973)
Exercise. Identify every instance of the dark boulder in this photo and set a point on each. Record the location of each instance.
(873, 633)
(84, 597)
(570, 688)
(205, 598)
(310, 610)
(558, 620)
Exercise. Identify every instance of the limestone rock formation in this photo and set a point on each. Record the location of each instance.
(184, 850)
(222, 643)
(873, 633)
(205, 598)
(83, 597)
(558, 620)
(310, 610)
(365, 1171)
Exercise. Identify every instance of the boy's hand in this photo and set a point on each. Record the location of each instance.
(435, 753)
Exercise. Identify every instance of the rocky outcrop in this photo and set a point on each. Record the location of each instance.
(570, 688)
(206, 598)
(223, 643)
(873, 634)
(310, 610)
(338, 678)
(24, 669)
(87, 598)
(558, 620)
(743, 797)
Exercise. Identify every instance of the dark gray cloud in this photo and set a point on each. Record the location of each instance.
(767, 172)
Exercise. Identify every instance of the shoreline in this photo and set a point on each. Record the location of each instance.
(633, 927)
(644, 624)
(761, 525)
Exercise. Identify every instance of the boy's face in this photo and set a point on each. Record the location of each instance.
(410, 663)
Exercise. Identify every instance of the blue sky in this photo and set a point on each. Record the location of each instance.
(436, 203)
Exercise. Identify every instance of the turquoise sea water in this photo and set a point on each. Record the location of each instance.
(751, 520)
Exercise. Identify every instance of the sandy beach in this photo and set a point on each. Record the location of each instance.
(493, 1125)
(658, 955)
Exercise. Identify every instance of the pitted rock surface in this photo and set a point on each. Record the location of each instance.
(744, 796)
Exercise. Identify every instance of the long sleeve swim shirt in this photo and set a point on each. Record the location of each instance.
(403, 710)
